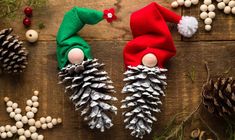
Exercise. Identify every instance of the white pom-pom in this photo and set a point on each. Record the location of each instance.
(188, 26)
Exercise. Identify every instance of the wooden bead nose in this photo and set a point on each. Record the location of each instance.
(76, 56)
(149, 60)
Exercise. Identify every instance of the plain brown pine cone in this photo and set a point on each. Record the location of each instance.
(219, 97)
(13, 56)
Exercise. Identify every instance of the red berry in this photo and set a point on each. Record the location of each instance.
(28, 11)
(27, 21)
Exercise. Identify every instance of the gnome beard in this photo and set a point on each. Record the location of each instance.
(90, 87)
(144, 86)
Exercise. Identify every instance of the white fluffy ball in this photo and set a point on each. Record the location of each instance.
(44, 126)
(195, 2)
(3, 135)
(32, 129)
(31, 122)
(42, 120)
(35, 104)
(54, 121)
(9, 103)
(27, 108)
(221, 5)
(22, 138)
(27, 133)
(40, 137)
(12, 115)
(24, 119)
(208, 21)
(9, 109)
(211, 15)
(38, 124)
(226, 1)
(30, 115)
(34, 109)
(19, 124)
(17, 110)
(18, 117)
(2, 129)
(231, 4)
(14, 105)
(9, 134)
(20, 131)
(34, 136)
(7, 127)
(203, 8)
(48, 119)
(29, 102)
(13, 129)
(233, 10)
(35, 98)
(50, 125)
(227, 10)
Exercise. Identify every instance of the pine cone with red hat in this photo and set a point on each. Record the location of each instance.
(144, 59)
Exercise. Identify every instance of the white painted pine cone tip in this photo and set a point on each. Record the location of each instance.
(187, 26)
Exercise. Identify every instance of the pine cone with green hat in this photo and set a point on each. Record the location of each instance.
(84, 77)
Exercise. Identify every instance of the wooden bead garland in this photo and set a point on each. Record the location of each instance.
(227, 6)
(31, 109)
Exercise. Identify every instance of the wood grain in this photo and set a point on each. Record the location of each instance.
(107, 41)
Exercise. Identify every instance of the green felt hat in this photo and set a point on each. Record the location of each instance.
(67, 37)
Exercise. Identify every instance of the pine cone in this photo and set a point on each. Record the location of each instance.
(13, 56)
(90, 87)
(219, 97)
(145, 86)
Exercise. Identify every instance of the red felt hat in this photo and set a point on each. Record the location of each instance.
(151, 34)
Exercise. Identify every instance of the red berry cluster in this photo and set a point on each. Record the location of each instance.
(28, 11)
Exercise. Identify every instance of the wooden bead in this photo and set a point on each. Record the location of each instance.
(35, 104)
(203, 8)
(12, 115)
(233, 10)
(34, 136)
(6, 99)
(17, 110)
(29, 102)
(187, 3)
(174, 4)
(31, 36)
(32, 129)
(211, 7)
(30, 115)
(149, 60)
(2, 129)
(226, 1)
(44, 126)
(18, 117)
(34, 110)
(22, 138)
(27, 108)
(24, 119)
(207, 2)
(211, 15)
(31, 122)
(7, 128)
(180, 2)
(36, 93)
(40, 137)
(195, 2)
(75, 56)
(227, 10)
(9, 109)
(35, 98)
(27, 133)
(42, 120)
(19, 124)
(221, 5)
(50, 125)
(203, 15)
(38, 124)
(9, 103)
(59, 120)
(14, 105)
(48, 119)
(208, 21)
(208, 27)
(9, 134)
(13, 129)
(20, 131)
(3, 135)
(54, 121)
(231, 4)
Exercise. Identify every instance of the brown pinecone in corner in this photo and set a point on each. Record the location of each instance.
(13, 56)
(219, 96)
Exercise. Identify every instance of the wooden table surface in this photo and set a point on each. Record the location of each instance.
(216, 47)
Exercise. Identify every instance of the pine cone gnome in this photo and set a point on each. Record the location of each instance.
(89, 84)
(13, 56)
(144, 58)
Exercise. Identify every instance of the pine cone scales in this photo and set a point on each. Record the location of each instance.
(219, 97)
(145, 87)
(13, 57)
(90, 87)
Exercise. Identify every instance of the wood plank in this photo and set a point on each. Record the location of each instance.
(182, 94)
(222, 26)
(52, 16)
